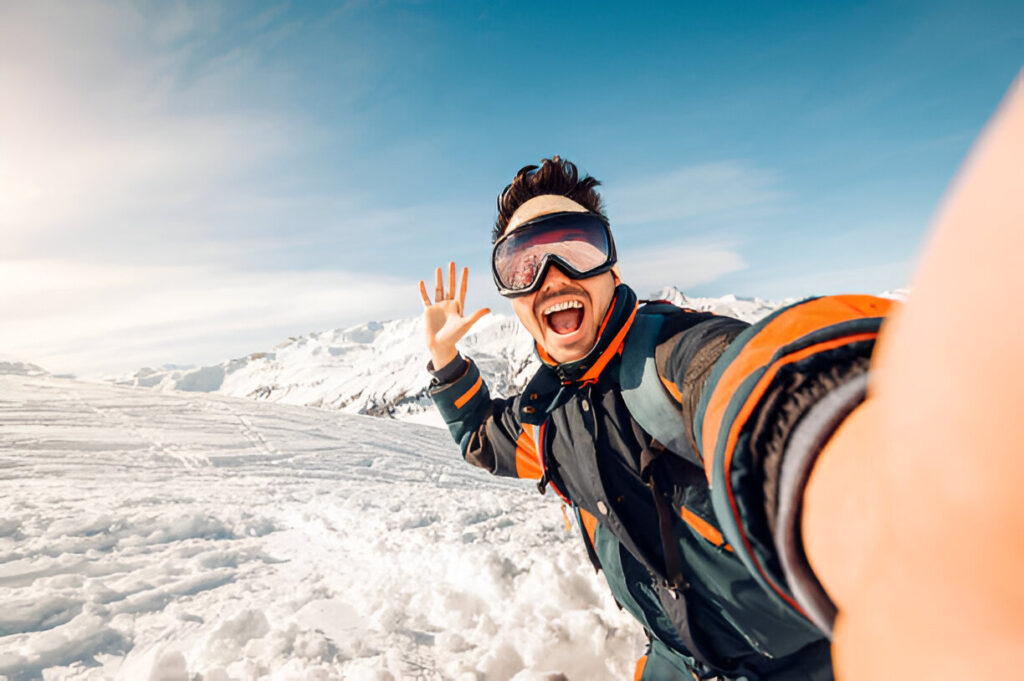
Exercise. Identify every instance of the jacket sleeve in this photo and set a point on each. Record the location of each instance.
(761, 404)
(488, 431)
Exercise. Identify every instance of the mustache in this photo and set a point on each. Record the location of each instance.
(567, 290)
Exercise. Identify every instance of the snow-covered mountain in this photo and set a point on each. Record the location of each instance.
(747, 309)
(379, 368)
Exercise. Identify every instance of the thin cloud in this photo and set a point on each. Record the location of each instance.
(93, 319)
(683, 266)
(106, 137)
(151, 192)
(870, 279)
(717, 191)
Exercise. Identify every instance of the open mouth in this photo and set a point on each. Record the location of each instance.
(565, 317)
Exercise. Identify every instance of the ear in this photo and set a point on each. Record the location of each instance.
(615, 273)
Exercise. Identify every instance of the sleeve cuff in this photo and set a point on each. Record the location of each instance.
(807, 441)
(451, 371)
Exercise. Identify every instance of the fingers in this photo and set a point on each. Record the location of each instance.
(439, 288)
(462, 289)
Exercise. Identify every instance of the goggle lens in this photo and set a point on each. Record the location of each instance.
(581, 241)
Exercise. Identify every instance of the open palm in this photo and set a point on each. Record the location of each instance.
(445, 323)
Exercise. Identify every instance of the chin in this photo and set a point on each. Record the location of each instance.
(564, 350)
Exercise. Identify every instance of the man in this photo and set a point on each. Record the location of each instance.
(903, 502)
(649, 519)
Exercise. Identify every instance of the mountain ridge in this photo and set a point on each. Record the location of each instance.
(379, 368)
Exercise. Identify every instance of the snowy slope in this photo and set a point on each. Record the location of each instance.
(379, 368)
(178, 536)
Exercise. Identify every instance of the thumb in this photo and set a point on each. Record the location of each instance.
(476, 316)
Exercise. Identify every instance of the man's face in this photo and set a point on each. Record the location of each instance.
(563, 315)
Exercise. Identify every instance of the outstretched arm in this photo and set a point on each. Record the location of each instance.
(488, 431)
(912, 518)
(914, 514)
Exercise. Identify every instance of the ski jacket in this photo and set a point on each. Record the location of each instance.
(747, 605)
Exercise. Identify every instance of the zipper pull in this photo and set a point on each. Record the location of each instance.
(542, 484)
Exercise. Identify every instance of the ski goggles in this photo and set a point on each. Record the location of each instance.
(579, 244)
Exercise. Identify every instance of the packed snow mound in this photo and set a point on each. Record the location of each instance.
(379, 368)
(179, 536)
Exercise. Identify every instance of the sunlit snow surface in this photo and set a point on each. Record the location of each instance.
(181, 536)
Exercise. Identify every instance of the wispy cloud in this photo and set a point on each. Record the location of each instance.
(92, 319)
(682, 265)
(110, 139)
(814, 281)
(152, 190)
(716, 192)
(191, 157)
(703, 212)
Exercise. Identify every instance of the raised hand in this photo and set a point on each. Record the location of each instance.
(445, 323)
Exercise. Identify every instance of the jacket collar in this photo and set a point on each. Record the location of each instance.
(610, 337)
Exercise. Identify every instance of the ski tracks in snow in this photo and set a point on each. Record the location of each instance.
(147, 535)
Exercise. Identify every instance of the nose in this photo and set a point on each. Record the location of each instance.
(555, 279)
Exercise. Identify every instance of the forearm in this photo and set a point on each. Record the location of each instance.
(459, 393)
(487, 430)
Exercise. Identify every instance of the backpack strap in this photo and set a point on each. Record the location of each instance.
(675, 579)
(646, 398)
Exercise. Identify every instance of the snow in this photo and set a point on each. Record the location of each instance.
(159, 528)
(379, 368)
(177, 536)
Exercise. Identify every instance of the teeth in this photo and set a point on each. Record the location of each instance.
(565, 305)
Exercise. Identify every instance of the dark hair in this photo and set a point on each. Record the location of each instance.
(554, 176)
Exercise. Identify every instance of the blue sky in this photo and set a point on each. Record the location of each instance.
(189, 182)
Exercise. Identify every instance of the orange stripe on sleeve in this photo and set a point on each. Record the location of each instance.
(468, 395)
(786, 328)
(747, 409)
(762, 385)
